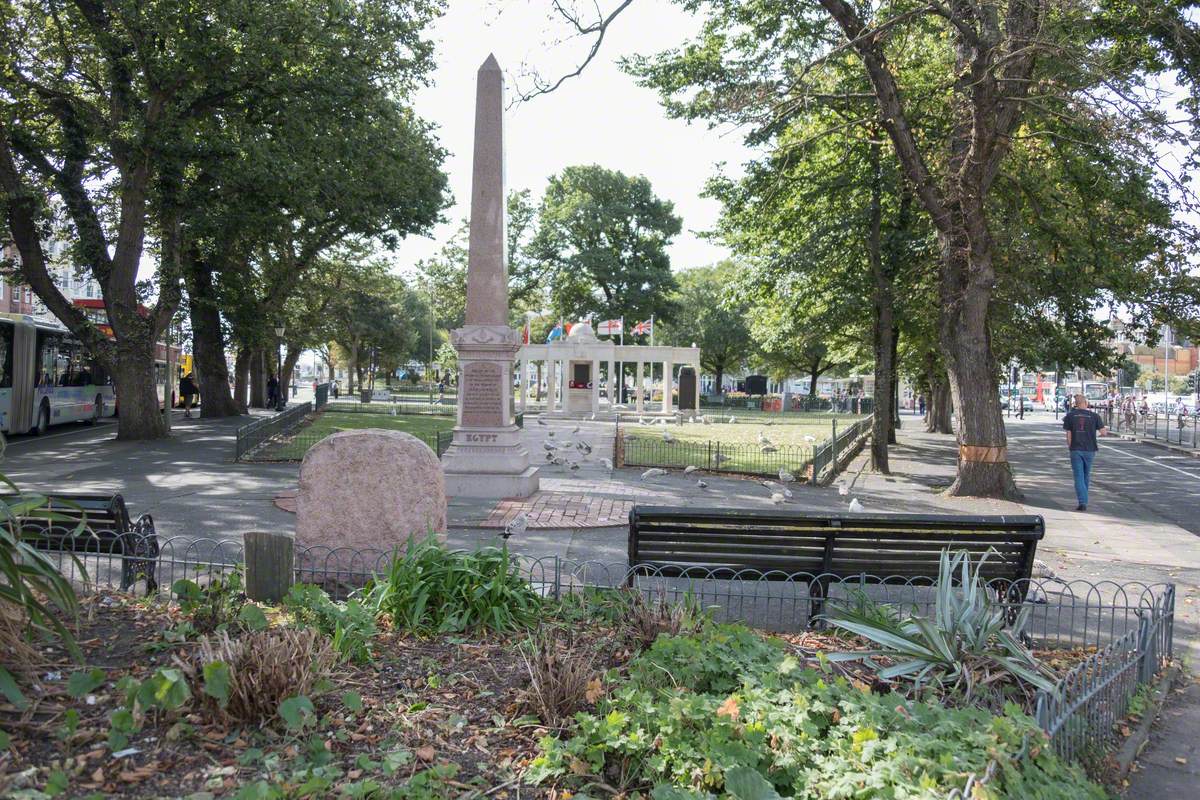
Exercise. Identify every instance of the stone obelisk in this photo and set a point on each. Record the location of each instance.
(486, 457)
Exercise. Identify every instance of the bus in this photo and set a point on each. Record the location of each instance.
(47, 377)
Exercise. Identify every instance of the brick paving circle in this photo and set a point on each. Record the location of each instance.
(561, 510)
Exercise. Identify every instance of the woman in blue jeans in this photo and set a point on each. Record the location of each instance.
(1082, 426)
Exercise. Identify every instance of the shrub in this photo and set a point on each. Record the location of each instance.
(968, 652)
(718, 659)
(350, 625)
(246, 679)
(561, 674)
(214, 606)
(787, 731)
(647, 619)
(430, 589)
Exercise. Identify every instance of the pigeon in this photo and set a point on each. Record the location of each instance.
(558, 462)
(786, 492)
(566, 445)
(777, 498)
(720, 457)
(549, 446)
(785, 476)
(574, 465)
(550, 434)
(668, 438)
(518, 525)
(689, 469)
(762, 439)
(769, 422)
(583, 447)
(541, 421)
(700, 484)
(809, 438)
(770, 448)
(575, 429)
(653, 472)
(607, 462)
(592, 417)
(732, 419)
(770, 484)
(856, 506)
(843, 490)
(704, 419)
(641, 420)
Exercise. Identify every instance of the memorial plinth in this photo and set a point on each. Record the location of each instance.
(486, 457)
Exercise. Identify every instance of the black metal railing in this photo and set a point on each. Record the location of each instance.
(829, 454)
(714, 456)
(1180, 429)
(252, 436)
(321, 396)
(798, 404)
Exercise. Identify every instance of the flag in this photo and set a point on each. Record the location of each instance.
(555, 333)
(643, 328)
(525, 333)
(610, 327)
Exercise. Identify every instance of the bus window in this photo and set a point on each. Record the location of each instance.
(47, 358)
(6, 355)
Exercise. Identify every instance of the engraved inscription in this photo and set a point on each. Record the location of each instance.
(482, 437)
(482, 395)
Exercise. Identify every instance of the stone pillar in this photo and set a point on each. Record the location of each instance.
(668, 370)
(595, 386)
(637, 387)
(523, 379)
(612, 382)
(486, 457)
(550, 362)
(697, 406)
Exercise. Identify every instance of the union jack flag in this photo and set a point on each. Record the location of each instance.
(643, 328)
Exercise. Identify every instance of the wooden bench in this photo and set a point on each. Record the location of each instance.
(107, 528)
(817, 548)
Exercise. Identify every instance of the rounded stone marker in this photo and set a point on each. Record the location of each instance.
(369, 489)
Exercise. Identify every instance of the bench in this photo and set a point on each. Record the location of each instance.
(108, 529)
(822, 547)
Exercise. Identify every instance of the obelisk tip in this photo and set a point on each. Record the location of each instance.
(491, 64)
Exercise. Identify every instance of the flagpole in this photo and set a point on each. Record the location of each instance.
(621, 371)
(652, 330)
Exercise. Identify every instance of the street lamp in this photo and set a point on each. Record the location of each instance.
(280, 392)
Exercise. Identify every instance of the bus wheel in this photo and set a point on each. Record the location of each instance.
(97, 411)
(43, 422)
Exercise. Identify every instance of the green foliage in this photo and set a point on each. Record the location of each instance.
(768, 728)
(718, 661)
(84, 682)
(30, 583)
(604, 236)
(215, 606)
(216, 682)
(350, 625)
(297, 713)
(709, 316)
(164, 692)
(431, 589)
(967, 652)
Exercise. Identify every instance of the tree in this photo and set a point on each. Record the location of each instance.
(603, 235)
(106, 101)
(706, 315)
(1003, 72)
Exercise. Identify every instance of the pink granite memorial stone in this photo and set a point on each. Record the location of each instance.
(486, 457)
(369, 489)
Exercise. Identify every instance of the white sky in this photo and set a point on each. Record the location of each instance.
(602, 117)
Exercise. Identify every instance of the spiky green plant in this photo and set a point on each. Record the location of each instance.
(968, 650)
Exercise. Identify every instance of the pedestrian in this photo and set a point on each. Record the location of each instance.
(272, 392)
(187, 390)
(1082, 426)
(333, 387)
(442, 390)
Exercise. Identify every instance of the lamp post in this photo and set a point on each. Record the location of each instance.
(280, 392)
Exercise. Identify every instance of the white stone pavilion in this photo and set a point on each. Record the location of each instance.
(576, 367)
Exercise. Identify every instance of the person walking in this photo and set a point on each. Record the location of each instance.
(1082, 426)
(272, 392)
(187, 390)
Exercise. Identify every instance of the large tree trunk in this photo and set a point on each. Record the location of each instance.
(939, 409)
(895, 387)
(983, 469)
(883, 325)
(212, 373)
(258, 378)
(241, 379)
(720, 374)
(140, 416)
(289, 366)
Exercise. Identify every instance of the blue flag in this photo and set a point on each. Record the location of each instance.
(555, 333)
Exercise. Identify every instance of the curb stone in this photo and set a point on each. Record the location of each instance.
(1132, 748)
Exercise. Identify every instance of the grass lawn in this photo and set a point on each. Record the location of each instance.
(293, 447)
(734, 446)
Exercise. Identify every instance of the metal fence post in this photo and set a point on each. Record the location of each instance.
(834, 444)
(1145, 650)
(709, 454)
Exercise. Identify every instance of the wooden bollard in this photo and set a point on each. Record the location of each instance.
(269, 565)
